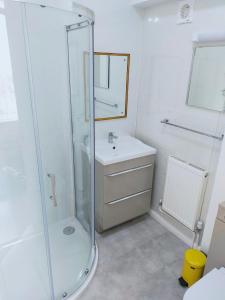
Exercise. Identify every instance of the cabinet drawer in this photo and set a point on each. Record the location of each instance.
(129, 164)
(125, 209)
(121, 184)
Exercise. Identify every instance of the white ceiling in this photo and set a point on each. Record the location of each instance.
(147, 3)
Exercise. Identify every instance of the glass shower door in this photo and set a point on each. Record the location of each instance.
(24, 272)
(80, 67)
(65, 138)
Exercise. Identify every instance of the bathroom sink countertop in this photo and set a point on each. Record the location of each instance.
(124, 148)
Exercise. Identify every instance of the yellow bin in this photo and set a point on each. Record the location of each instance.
(193, 267)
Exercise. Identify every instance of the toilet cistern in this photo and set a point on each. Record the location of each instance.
(111, 137)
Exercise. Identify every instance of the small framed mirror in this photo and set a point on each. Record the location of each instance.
(207, 78)
(111, 84)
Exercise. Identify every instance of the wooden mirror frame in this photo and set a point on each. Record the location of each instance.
(127, 84)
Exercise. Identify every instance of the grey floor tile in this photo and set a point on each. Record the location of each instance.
(139, 260)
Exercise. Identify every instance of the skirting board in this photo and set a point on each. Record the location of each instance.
(161, 220)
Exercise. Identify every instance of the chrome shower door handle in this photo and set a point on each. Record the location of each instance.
(53, 188)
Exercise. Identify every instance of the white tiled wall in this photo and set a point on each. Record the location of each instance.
(165, 50)
(159, 84)
(167, 54)
(118, 29)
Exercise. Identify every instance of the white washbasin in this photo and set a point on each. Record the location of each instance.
(124, 148)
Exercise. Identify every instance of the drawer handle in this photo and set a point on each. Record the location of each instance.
(128, 197)
(53, 187)
(129, 171)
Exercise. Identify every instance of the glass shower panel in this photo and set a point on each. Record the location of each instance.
(24, 272)
(82, 119)
(48, 60)
(61, 142)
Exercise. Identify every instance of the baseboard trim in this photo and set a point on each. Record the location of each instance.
(159, 218)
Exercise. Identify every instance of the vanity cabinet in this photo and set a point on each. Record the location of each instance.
(123, 191)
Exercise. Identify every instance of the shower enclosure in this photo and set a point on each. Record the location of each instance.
(47, 239)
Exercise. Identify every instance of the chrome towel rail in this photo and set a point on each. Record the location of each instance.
(167, 122)
(108, 104)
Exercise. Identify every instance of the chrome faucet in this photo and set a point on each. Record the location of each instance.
(111, 137)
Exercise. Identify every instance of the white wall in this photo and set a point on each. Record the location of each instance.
(165, 50)
(118, 29)
(167, 53)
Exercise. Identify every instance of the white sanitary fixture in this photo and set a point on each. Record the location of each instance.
(209, 287)
(125, 148)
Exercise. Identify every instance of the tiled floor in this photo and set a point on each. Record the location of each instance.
(140, 260)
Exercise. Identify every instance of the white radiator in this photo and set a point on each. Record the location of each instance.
(184, 191)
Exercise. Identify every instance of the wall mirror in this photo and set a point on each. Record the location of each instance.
(207, 78)
(111, 82)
